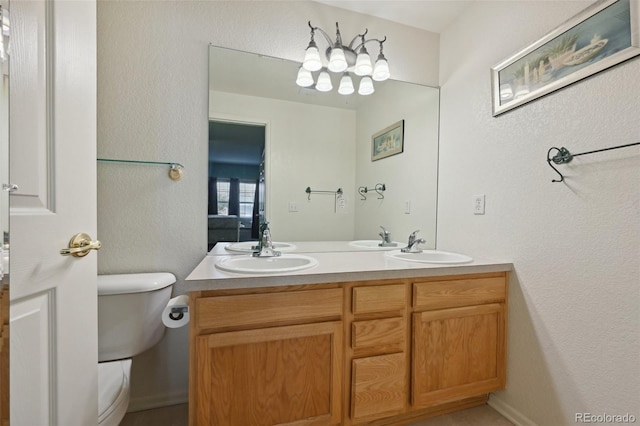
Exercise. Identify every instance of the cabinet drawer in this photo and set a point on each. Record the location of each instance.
(260, 310)
(378, 386)
(385, 335)
(454, 293)
(382, 298)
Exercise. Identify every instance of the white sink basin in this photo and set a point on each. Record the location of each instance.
(430, 256)
(265, 265)
(374, 245)
(248, 247)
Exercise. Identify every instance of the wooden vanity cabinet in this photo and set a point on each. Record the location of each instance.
(355, 353)
(266, 358)
(459, 338)
(377, 356)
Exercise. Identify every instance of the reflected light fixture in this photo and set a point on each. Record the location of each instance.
(506, 92)
(346, 85)
(344, 60)
(305, 78)
(521, 90)
(324, 82)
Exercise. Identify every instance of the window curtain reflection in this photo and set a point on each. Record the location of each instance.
(213, 195)
(255, 221)
(234, 197)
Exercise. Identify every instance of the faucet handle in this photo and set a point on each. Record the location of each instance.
(412, 245)
(384, 230)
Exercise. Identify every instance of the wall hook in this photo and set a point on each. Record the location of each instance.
(379, 188)
(362, 191)
(562, 157)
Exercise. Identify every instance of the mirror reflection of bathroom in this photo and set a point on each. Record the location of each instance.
(236, 181)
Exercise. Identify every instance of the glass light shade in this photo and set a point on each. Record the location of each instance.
(506, 92)
(305, 79)
(337, 60)
(346, 85)
(521, 90)
(363, 64)
(312, 60)
(324, 82)
(381, 70)
(366, 86)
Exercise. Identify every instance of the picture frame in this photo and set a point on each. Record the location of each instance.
(388, 141)
(601, 36)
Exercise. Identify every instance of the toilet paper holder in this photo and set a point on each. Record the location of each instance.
(177, 313)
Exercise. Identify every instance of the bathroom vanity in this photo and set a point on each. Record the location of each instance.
(361, 338)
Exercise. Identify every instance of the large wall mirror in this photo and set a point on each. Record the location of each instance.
(283, 140)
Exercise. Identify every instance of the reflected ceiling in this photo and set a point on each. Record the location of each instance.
(234, 71)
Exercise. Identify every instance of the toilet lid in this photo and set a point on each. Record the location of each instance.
(113, 386)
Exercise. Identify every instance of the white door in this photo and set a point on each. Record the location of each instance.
(53, 310)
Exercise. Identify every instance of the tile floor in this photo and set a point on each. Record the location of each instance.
(177, 415)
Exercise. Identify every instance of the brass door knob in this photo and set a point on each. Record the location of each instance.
(80, 245)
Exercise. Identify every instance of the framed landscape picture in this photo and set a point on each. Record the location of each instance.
(388, 141)
(599, 37)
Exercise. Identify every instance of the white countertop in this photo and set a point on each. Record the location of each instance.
(337, 266)
(308, 247)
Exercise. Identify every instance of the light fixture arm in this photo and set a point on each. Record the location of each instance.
(326, 36)
(361, 36)
(370, 40)
(338, 42)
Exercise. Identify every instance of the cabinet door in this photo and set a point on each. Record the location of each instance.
(272, 376)
(378, 386)
(457, 353)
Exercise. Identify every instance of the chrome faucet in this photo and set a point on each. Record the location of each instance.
(265, 245)
(412, 245)
(386, 238)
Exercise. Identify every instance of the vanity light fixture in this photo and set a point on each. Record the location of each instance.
(324, 82)
(352, 58)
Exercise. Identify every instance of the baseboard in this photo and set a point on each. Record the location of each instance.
(513, 415)
(157, 401)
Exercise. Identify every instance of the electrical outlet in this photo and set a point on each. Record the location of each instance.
(407, 207)
(478, 204)
(293, 206)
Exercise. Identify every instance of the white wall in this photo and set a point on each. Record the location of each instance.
(409, 176)
(575, 292)
(152, 105)
(307, 146)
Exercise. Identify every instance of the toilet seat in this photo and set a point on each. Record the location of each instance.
(113, 391)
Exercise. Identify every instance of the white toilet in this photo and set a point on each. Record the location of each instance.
(130, 310)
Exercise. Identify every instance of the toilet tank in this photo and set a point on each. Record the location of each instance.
(130, 313)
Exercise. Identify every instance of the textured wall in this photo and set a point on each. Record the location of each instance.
(574, 313)
(152, 105)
